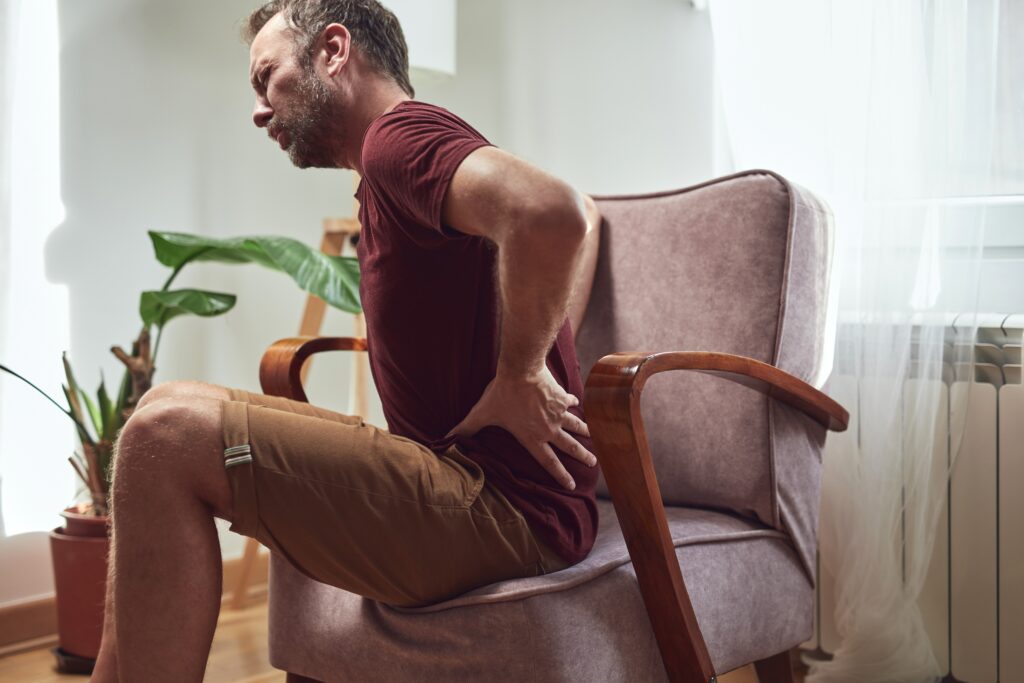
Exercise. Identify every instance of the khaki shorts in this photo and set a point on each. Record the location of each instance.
(373, 513)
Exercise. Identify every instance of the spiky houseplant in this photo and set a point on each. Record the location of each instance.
(335, 279)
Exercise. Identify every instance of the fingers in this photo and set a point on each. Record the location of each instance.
(457, 429)
(573, 448)
(549, 461)
(470, 424)
(467, 427)
(572, 423)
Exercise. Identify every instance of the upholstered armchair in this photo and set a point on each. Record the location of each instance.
(705, 555)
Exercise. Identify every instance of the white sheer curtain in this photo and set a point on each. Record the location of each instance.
(887, 110)
(5, 173)
(7, 34)
(36, 481)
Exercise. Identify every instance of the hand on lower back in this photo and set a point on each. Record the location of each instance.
(535, 410)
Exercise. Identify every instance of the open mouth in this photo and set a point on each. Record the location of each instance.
(279, 135)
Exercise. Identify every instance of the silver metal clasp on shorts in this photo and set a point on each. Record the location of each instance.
(237, 455)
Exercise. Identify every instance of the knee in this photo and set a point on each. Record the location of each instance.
(143, 463)
(166, 390)
(169, 450)
(150, 438)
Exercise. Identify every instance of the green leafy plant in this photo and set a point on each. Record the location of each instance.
(335, 279)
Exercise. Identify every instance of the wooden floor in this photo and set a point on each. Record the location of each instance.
(239, 655)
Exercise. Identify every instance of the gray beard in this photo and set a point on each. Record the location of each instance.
(316, 129)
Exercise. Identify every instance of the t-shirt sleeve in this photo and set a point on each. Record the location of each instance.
(411, 160)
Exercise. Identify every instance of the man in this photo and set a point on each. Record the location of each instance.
(468, 258)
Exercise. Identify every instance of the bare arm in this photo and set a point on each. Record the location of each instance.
(539, 225)
(588, 266)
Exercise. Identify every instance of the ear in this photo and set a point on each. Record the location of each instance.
(336, 47)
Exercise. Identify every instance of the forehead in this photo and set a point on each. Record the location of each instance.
(272, 42)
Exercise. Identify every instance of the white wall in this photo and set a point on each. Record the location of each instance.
(615, 97)
(156, 134)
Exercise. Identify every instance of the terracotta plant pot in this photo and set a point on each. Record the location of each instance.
(79, 551)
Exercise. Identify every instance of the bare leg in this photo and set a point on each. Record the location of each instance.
(105, 670)
(165, 568)
(183, 389)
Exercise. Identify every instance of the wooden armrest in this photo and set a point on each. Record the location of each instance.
(636, 368)
(612, 407)
(281, 365)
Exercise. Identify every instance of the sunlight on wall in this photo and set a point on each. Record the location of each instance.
(36, 481)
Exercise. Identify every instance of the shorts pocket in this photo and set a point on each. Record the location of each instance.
(471, 472)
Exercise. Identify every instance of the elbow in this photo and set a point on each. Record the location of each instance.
(593, 214)
(562, 217)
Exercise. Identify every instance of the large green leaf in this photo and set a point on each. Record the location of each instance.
(335, 279)
(174, 249)
(158, 307)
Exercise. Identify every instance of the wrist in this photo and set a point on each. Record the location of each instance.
(513, 373)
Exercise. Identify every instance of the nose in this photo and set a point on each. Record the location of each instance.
(262, 112)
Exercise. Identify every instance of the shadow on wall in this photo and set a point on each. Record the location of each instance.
(157, 133)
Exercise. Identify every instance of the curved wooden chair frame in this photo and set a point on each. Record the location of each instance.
(612, 406)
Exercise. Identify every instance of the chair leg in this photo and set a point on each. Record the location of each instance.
(775, 669)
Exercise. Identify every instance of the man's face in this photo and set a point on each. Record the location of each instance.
(298, 109)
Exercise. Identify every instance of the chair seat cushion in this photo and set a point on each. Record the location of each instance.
(587, 622)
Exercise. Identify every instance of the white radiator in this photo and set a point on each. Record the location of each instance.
(973, 597)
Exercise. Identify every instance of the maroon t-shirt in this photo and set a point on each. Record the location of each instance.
(432, 307)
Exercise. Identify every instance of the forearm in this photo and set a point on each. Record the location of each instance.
(538, 265)
(539, 226)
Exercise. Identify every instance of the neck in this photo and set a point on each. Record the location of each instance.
(372, 102)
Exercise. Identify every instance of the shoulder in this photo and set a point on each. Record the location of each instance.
(413, 129)
(410, 155)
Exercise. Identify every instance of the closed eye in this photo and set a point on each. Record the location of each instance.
(259, 81)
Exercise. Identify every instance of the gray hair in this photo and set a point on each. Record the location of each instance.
(374, 28)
